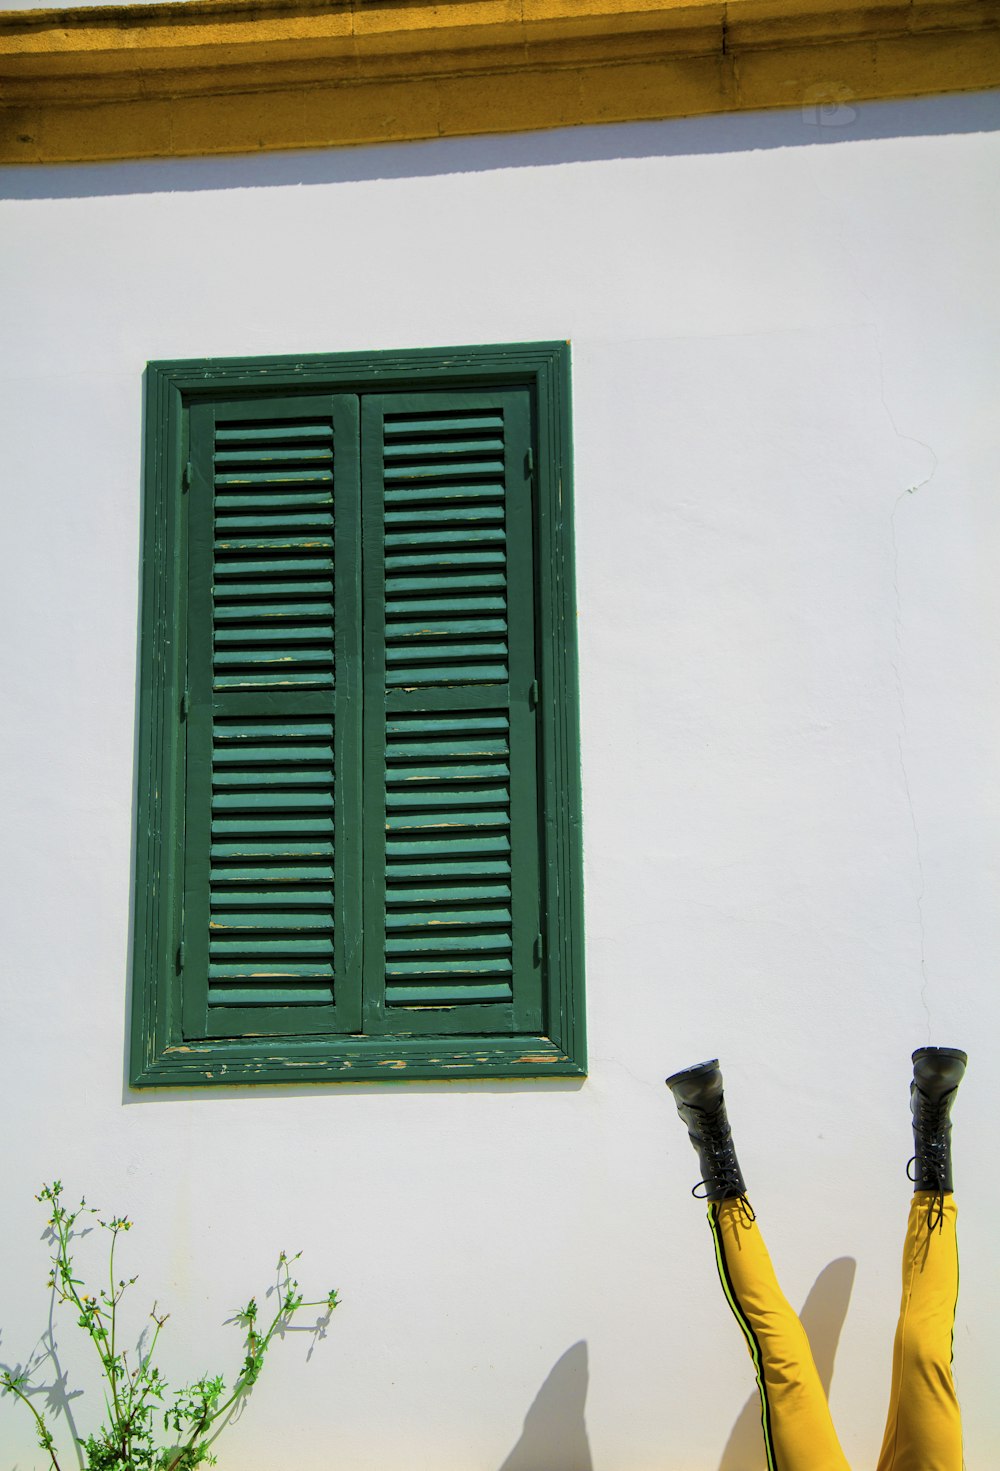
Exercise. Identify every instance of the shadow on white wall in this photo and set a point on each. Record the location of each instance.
(554, 1437)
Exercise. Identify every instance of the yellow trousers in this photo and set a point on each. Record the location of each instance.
(923, 1430)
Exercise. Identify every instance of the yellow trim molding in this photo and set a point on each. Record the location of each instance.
(228, 76)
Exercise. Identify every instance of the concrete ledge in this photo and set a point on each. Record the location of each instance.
(219, 76)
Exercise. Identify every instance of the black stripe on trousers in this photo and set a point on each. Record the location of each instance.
(752, 1341)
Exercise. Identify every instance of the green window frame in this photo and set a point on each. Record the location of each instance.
(358, 848)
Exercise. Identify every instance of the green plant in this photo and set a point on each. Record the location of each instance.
(136, 1393)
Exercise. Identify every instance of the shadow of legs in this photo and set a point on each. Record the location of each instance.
(554, 1437)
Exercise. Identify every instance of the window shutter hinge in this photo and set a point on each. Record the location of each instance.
(533, 694)
(539, 949)
(180, 955)
(529, 461)
(184, 703)
(186, 477)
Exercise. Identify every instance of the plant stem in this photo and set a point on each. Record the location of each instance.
(43, 1429)
(67, 1286)
(258, 1347)
(111, 1284)
(112, 1370)
(141, 1377)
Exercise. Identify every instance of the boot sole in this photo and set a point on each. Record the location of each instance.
(699, 1069)
(955, 1052)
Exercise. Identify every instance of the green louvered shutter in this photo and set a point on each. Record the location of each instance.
(271, 932)
(452, 826)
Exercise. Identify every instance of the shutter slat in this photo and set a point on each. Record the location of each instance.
(308, 566)
(472, 772)
(414, 426)
(256, 433)
(258, 899)
(477, 722)
(449, 628)
(448, 559)
(430, 996)
(311, 654)
(269, 454)
(447, 821)
(446, 583)
(429, 800)
(269, 778)
(463, 870)
(264, 873)
(458, 843)
(253, 946)
(427, 747)
(289, 541)
(234, 501)
(304, 634)
(451, 493)
(400, 653)
(443, 893)
(226, 922)
(439, 447)
(272, 847)
(269, 971)
(438, 470)
(431, 516)
(434, 607)
(252, 680)
(408, 919)
(412, 678)
(231, 593)
(250, 656)
(261, 828)
(265, 755)
(269, 996)
(226, 480)
(298, 730)
(449, 968)
(292, 799)
(268, 612)
(440, 947)
(290, 521)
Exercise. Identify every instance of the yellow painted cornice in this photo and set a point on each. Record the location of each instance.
(225, 76)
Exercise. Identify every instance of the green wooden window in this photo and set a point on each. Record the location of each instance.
(358, 848)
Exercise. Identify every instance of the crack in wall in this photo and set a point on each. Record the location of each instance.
(897, 671)
(898, 661)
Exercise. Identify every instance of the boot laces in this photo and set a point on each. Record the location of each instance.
(931, 1121)
(731, 1184)
(715, 1142)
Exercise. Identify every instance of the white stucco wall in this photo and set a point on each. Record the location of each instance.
(785, 358)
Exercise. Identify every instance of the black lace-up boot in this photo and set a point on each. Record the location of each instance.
(937, 1072)
(698, 1094)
